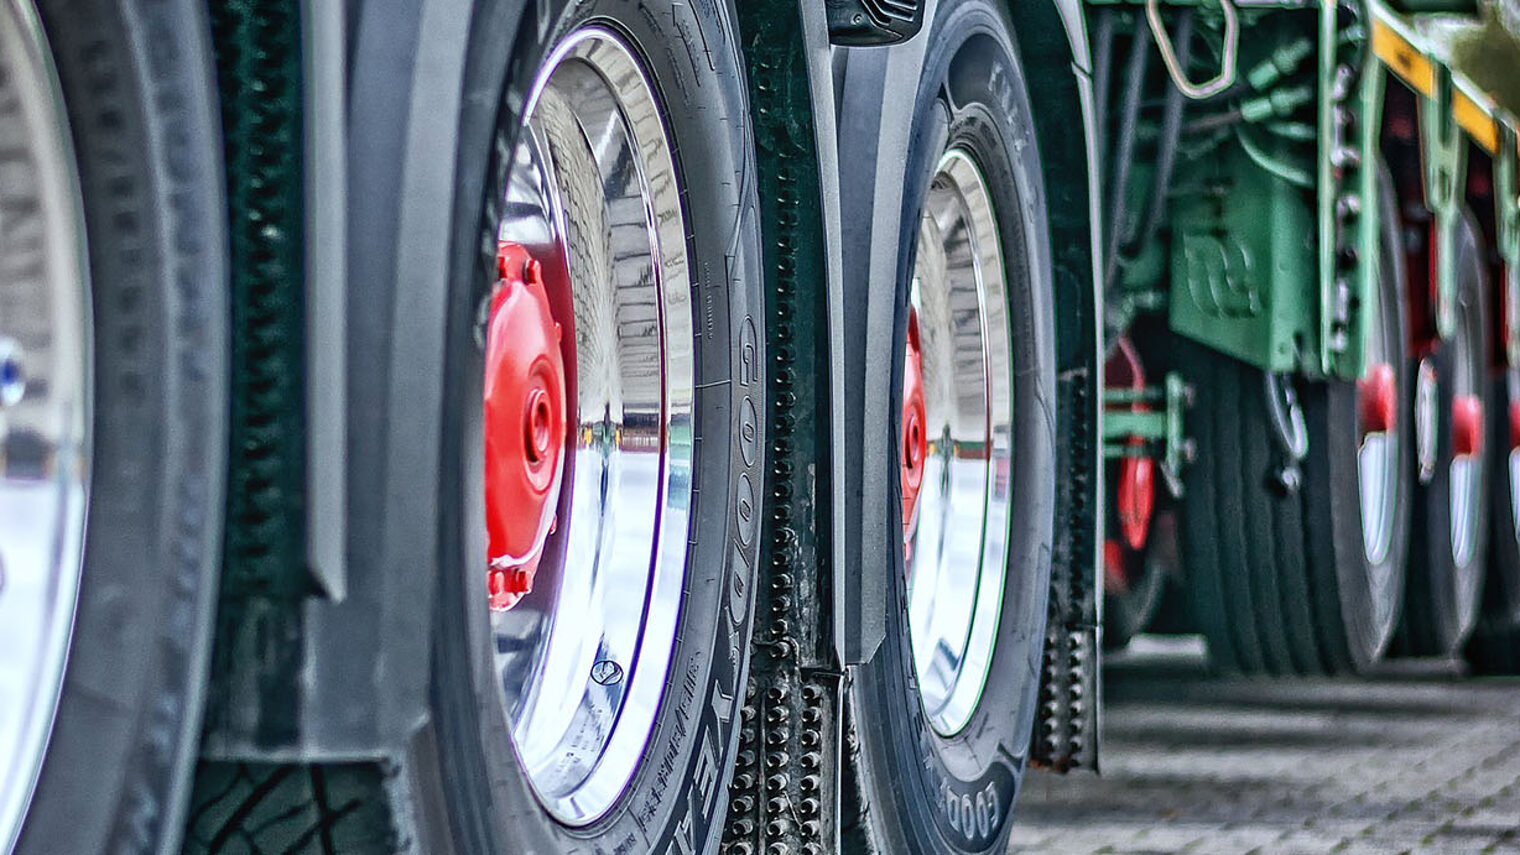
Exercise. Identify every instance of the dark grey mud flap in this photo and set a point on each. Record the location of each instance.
(784, 792)
(1066, 728)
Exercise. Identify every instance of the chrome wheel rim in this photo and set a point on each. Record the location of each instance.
(1466, 469)
(956, 546)
(44, 404)
(582, 661)
(1378, 455)
(1512, 386)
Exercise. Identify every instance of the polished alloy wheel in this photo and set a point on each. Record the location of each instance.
(1377, 456)
(1466, 442)
(958, 451)
(1512, 383)
(44, 403)
(587, 420)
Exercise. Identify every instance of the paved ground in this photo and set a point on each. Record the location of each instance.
(1413, 760)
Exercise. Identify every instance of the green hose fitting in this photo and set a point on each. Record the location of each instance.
(1279, 63)
(1276, 104)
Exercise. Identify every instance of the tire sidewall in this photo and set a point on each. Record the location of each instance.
(956, 793)
(675, 796)
(1368, 631)
(1454, 589)
(116, 773)
(1502, 597)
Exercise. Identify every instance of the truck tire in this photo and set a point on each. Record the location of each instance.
(1450, 530)
(1131, 608)
(306, 808)
(1495, 644)
(594, 702)
(1501, 599)
(939, 741)
(1283, 576)
(1494, 648)
(113, 390)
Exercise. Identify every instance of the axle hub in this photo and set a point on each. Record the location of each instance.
(524, 421)
(1466, 425)
(1379, 398)
(915, 440)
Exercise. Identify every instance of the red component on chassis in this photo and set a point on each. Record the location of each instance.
(1136, 483)
(1379, 399)
(915, 440)
(1466, 425)
(524, 424)
(1115, 574)
(1514, 425)
(1137, 500)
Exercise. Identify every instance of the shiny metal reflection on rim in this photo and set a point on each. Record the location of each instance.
(1512, 387)
(1377, 457)
(958, 550)
(583, 661)
(44, 403)
(1466, 480)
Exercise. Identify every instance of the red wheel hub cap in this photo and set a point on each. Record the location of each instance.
(1514, 425)
(524, 420)
(1466, 425)
(1379, 399)
(915, 424)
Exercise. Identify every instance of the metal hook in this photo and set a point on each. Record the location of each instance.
(1226, 77)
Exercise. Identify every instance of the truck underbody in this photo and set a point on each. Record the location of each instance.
(636, 426)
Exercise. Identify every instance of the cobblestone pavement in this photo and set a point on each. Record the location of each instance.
(1411, 760)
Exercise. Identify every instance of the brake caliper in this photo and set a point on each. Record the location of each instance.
(524, 421)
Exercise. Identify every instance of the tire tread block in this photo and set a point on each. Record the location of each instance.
(1259, 562)
(318, 809)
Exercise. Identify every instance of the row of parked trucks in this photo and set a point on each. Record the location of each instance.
(639, 426)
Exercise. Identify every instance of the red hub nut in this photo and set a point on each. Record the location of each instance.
(1379, 399)
(915, 439)
(1466, 425)
(524, 421)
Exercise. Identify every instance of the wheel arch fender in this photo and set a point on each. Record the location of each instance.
(422, 84)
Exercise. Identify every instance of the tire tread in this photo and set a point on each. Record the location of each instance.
(305, 809)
